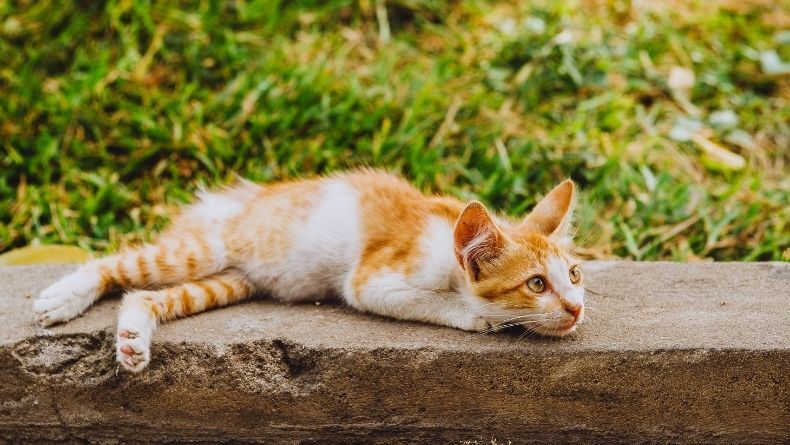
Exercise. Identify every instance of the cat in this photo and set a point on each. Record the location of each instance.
(365, 236)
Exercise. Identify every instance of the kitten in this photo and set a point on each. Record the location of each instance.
(366, 236)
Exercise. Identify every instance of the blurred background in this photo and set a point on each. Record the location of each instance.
(671, 115)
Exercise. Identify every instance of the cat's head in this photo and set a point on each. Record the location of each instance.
(523, 273)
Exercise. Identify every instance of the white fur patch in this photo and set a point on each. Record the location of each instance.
(68, 297)
(215, 207)
(438, 265)
(214, 210)
(325, 250)
(395, 295)
(558, 274)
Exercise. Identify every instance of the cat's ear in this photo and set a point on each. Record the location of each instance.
(477, 238)
(552, 215)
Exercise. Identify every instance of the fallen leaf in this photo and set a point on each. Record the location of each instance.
(44, 254)
(718, 157)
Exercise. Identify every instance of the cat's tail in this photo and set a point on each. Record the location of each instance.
(170, 260)
(174, 258)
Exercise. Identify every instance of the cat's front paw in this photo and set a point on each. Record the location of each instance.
(473, 324)
(480, 324)
(66, 299)
(133, 350)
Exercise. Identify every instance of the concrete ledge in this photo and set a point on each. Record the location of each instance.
(672, 352)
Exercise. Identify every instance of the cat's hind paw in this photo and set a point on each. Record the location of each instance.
(66, 299)
(132, 350)
(133, 341)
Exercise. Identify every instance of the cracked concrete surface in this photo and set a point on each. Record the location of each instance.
(671, 353)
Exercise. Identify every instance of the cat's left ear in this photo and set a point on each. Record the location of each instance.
(477, 238)
(551, 217)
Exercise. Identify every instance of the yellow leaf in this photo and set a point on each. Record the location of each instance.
(44, 254)
(717, 156)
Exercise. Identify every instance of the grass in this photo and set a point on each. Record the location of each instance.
(112, 113)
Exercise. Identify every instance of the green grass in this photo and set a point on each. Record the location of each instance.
(112, 113)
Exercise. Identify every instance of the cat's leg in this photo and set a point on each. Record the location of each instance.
(391, 294)
(142, 310)
(172, 259)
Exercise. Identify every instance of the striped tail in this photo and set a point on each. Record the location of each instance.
(170, 260)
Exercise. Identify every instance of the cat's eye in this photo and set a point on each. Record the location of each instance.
(575, 274)
(536, 284)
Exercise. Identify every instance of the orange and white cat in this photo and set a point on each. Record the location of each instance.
(367, 237)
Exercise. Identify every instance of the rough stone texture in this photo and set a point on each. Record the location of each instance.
(670, 353)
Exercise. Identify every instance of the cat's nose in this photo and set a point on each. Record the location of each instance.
(573, 309)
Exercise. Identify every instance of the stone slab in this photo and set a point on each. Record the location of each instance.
(671, 352)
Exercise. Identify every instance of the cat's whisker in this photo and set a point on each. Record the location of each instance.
(527, 332)
(581, 244)
(508, 317)
(498, 327)
(489, 304)
(504, 324)
(518, 320)
(511, 323)
(588, 211)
